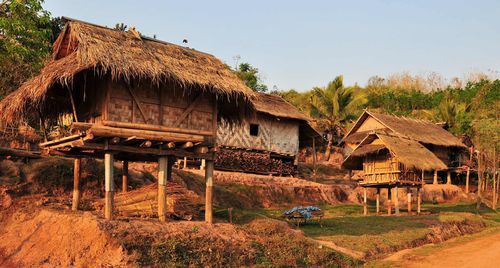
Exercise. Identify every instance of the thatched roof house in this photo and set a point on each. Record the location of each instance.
(278, 131)
(391, 149)
(84, 49)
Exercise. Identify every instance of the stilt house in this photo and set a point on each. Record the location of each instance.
(269, 143)
(397, 152)
(120, 95)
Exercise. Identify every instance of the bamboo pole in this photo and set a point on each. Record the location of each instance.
(408, 194)
(396, 201)
(378, 201)
(109, 185)
(76, 184)
(209, 173)
(389, 198)
(419, 199)
(365, 206)
(162, 187)
(125, 176)
(467, 180)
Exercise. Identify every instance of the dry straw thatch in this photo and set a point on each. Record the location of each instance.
(409, 152)
(126, 56)
(276, 106)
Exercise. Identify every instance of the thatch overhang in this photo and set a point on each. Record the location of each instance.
(125, 56)
(418, 130)
(409, 152)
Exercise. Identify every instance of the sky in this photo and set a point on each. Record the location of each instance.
(302, 44)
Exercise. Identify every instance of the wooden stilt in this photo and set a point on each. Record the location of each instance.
(409, 199)
(389, 198)
(203, 164)
(378, 201)
(467, 181)
(448, 177)
(419, 199)
(109, 185)
(76, 184)
(185, 163)
(396, 201)
(125, 176)
(365, 205)
(209, 174)
(162, 187)
(314, 155)
(435, 177)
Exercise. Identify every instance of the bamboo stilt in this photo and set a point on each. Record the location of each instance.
(409, 199)
(185, 163)
(209, 173)
(467, 180)
(109, 185)
(419, 200)
(435, 177)
(162, 187)
(125, 176)
(378, 201)
(389, 205)
(76, 184)
(396, 201)
(365, 206)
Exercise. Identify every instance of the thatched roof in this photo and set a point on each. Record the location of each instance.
(409, 152)
(418, 130)
(277, 106)
(123, 55)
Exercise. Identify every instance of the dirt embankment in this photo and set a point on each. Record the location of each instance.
(439, 233)
(49, 238)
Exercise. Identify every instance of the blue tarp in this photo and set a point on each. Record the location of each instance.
(304, 211)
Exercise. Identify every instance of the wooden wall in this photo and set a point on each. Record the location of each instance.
(279, 136)
(160, 106)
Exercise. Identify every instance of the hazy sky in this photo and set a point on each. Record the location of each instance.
(301, 44)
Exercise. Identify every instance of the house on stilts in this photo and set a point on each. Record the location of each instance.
(268, 143)
(120, 95)
(397, 152)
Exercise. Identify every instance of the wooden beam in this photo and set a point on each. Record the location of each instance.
(155, 128)
(61, 140)
(365, 205)
(109, 185)
(171, 145)
(136, 100)
(201, 149)
(76, 184)
(81, 126)
(103, 131)
(209, 174)
(408, 193)
(146, 144)
(125, 176)
(162, 188)
(188, 144)
(188, 110)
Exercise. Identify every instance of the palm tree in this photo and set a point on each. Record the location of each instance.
(449, 110)
(334, 105)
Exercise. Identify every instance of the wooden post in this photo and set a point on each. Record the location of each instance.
(76, 184)
(125, 176)
(203, 164)
(467, 180)
(230, 214)
(448, 177)
(185, 163)
(409, 199)
(209, 174)
(365, 205)
(314, 156)
(396, 201)
(389, 198)
(435, 177)
(162, 187)
(378, 200)
(419, 199)
(109, 185)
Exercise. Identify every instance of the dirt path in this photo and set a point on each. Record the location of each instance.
(480, 252)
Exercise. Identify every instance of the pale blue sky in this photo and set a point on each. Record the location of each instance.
(301, 44)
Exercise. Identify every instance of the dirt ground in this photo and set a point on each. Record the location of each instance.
(480, 252)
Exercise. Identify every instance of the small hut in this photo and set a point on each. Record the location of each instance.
(123, 96)
(397, 152)
(268, 143)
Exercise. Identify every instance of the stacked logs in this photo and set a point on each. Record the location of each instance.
(253, 162)
(181, 202)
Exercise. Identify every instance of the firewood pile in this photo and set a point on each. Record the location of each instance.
(181, 202)
(253, 162)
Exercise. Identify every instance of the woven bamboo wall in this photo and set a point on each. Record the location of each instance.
(274, 136)
(174, 101)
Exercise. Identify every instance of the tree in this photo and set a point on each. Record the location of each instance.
(250, 75)
(335, 105)
(25, 38)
